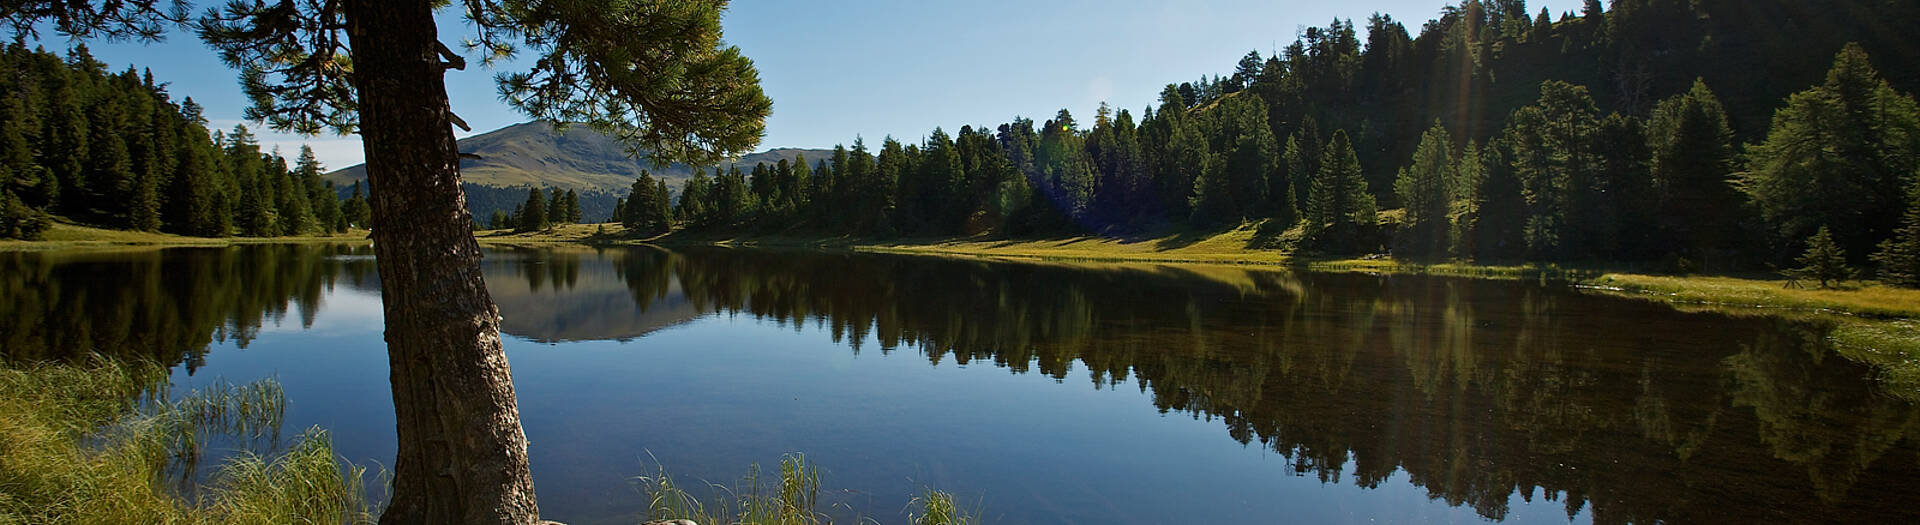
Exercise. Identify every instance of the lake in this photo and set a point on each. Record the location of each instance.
(1048, 393)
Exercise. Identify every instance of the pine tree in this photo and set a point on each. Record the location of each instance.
(533, 213)
(64, 152)
(1186, 157)
(293, 212)
(693, 208)
(572, 207)
(799, 192)
(1339, 206)
(647, 211)
(1693, 165)
(662, 205)
(354, 212)
(1469, 180)
(108, 171)
(1552, 143)
(1824, 261)
(1423, 192)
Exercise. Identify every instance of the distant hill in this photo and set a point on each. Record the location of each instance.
(529, 154)
(532, 153)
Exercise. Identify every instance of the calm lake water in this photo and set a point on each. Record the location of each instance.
(1050, 393)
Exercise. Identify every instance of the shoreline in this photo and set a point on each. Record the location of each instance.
(1871, 323)
(63, 236)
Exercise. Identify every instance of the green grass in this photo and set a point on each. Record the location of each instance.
(792, 499)
(100, 443)
(65, 236)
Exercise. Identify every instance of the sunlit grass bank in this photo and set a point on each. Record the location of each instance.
(1871, 323)
(792, 499)
(100, 443)
(1875, 324)
(63, 236)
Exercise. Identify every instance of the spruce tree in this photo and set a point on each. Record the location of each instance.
(572, 203)
(693, 208)
(1693, 163)
(354, 211)
(662, 207)
(799, 194)
(1824, 261)
(639, 212)
(533, 213)
(1339, 207)
(108, 171)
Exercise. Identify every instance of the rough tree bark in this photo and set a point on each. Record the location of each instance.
(462, 455)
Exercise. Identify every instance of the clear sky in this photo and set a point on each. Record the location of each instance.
(877, 68)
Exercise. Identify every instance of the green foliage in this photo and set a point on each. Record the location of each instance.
(648, 208)
(1553, 160)
(938, 508)
(1340, 209)
(99, 442)
(18, 221)
(533, 214)
(1899, 256)
(793, 499)
(354, 212)
(1423, 189)
(1693, 164)
(1463, 210)
(1837, 154)
(1824, 261)
(114, 150)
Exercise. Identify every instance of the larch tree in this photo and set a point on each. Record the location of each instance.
(1836, 155)
(1423, 191)
(652, 72)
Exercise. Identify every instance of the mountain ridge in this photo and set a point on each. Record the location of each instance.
(578, 158)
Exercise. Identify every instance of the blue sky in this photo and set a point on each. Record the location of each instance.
(877, 68)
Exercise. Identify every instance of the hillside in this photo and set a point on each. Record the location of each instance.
(582, 159)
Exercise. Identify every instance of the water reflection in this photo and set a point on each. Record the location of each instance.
(1485, 395)
(165, 305)
(1478, 391)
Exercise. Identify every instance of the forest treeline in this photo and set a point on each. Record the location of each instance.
(114, 150)
(1654, 131)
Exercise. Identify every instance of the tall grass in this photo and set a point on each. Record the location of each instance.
(98, 442)
(790, 500)
(938, 508)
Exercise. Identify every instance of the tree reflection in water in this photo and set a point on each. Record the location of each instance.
(1475, 390)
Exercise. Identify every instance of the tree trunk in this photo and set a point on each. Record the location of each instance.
(462, 456)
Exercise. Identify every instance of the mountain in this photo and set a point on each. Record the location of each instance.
(592, 163)
(579, 158)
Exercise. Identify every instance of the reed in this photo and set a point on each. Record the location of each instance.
(792, 499)
(100, 442)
